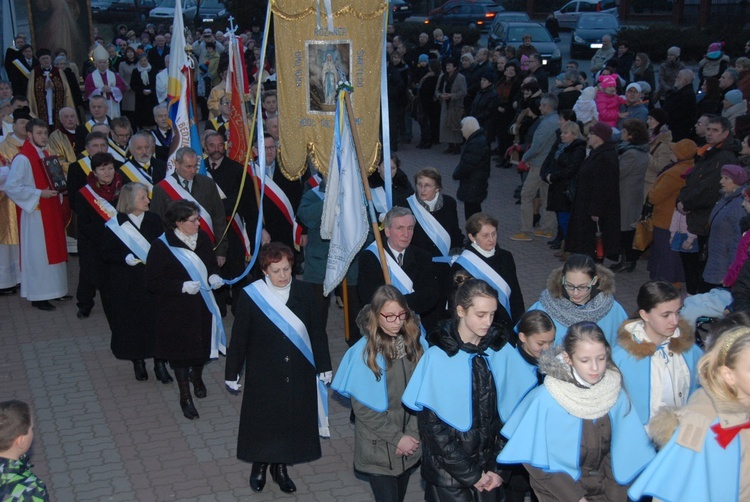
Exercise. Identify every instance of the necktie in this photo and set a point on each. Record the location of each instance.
(186, 184)
(400, 259)
(213, 166)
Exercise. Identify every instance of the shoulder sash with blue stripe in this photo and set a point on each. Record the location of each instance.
(430, 225)
(131, 237)
(197, 271)
(479, 269)
(398, 276)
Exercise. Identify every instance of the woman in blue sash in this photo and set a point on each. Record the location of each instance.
(454, 392)
(581, 291)
(706, 444)
(485, 260)
(374, 374)
(515, 368)
(91, 203)
(656, 352)
(184, 319)
(281, 344)
(132, 313)
(577, 434)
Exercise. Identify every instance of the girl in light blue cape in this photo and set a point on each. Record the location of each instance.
(515, 368)
(577, 433)
(374, 373)
(707, 455)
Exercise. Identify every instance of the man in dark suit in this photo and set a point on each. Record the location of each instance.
(141, 155)
(98, 108)
(227, 174)
(415, 263)
(20, 68)
(201, 188)
(157, 53)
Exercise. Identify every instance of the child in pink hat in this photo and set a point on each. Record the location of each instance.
(607, 101)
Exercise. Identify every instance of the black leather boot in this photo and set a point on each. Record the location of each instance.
(186, 399)
(160, 370)
(196, 376)
(258, 476)
(139, 366)
(281, 478)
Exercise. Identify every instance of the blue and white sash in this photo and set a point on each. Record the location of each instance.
(197, 271)
(479, 269)
(398, 276)
(131, 237)
(430, 225)
(295, 330)
(379, 200)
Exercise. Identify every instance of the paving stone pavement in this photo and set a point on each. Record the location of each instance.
(101, 435)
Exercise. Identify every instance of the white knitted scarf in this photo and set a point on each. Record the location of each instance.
(586, 403)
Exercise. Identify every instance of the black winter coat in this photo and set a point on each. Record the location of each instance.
(563, 172)
(473, 170)
(455, 459)
(701, 190)
(597, 194)
(741, 289)
(680, 107)
(183, 322)
(484, 107)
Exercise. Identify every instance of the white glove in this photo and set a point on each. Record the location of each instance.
(233, 387)
(215, 281)
(325, 377)
(132, 260)
(191, 287)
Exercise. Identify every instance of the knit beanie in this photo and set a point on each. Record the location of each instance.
(602, 130)
(735, 173)
(684, 149)
(714, 50)
(734, 96)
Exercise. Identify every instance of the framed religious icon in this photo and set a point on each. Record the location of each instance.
(324, 60)
(55, 174)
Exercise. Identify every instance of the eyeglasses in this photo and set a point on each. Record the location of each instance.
(194, 219)
(570, 287)
(426, 185)
(393, 317)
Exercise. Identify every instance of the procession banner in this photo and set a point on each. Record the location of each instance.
(309, 55)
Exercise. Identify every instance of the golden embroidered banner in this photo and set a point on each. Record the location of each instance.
(308, 59)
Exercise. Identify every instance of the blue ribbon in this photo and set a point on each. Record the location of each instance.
(116, 229)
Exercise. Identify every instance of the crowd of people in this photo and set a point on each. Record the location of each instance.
(568, 399)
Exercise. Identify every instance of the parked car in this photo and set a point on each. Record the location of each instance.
(571, 12)
(450, 3)
(587, 36)
(210, 11)
(122, 10)
(400, 10)
(100, 8)
(511, 17)
(510, 33)
(467, 13)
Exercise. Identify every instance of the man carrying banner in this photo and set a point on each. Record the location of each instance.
(228, 177)
(411, 268)
(186, 183)
(41, 228)
(280, 202)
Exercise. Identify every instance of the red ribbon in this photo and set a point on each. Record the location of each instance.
(725, 436)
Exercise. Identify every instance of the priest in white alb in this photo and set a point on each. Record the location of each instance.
(105, 82)
(41, 227)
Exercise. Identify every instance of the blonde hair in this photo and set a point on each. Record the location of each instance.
(725, 352)
(572, 127)
(380, 343)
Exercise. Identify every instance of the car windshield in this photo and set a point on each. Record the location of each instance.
(597, 22)
(168, 4)
(538, 34)
(513, 17)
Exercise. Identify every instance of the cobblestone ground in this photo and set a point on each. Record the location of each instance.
(101, 435)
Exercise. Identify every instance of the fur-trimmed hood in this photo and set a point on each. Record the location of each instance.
(551, 363)
(639, 350)
(605, 284)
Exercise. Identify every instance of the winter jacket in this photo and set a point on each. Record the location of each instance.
(633, 165)
(734, 111)
(608, 107)
(701, 190)
(741, 289)
(663, 194)
(451, 458)
(473, 170)
(484, 106)
(597, 194)
(724, 236)
(740, 256)
(680, 107)
(562, 172)
(543, 139)
(660, 155)
(667, 75)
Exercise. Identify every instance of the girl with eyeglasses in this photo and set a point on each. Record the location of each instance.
(454, 391)
(582, 290)
(576, 434)
(373, 374)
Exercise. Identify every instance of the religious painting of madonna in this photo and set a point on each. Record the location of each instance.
(61, 24)
(324, 59)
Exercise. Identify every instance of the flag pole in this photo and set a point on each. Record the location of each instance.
(368, 195)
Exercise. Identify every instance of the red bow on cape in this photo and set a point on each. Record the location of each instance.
(725, 436)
